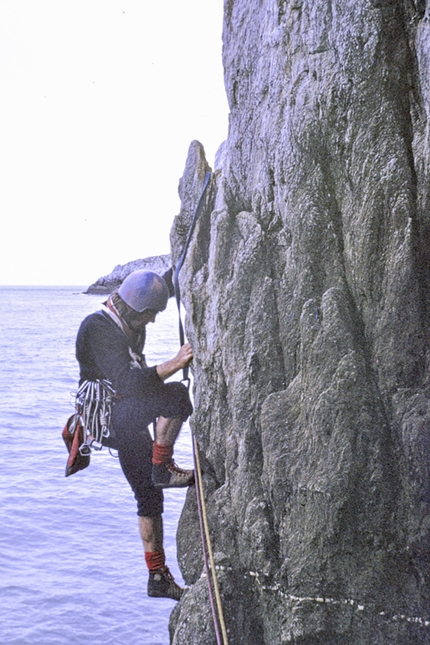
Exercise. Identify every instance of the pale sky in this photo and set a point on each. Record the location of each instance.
(100, 100)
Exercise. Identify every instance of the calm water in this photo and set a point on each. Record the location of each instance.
(71, 560)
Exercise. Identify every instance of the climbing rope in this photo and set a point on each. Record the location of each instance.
(208, 559)
(93, 404)
(181, 262)
(218, 614)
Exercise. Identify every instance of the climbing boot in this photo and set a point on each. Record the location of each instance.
(171, 476)
(161, 584)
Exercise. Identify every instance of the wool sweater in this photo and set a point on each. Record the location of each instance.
(102, 350)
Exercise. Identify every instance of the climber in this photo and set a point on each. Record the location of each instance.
(109, 346)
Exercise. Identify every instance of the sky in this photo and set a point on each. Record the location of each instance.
(100, 100)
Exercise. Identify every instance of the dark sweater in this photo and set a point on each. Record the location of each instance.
(102, 350)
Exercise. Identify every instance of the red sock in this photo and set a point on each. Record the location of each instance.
(154, 559)
(161, 454)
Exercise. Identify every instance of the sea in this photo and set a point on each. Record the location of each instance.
(72, 569)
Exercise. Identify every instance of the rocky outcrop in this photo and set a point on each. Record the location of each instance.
(106, 284)
(306, 287)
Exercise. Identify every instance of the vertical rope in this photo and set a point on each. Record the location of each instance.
(217, 612)
(181, 261)
(207, 539)
(202, 535)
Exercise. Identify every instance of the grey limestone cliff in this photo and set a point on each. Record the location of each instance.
(106, 284)
(306, 287)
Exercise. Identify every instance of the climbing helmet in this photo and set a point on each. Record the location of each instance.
(143, 290)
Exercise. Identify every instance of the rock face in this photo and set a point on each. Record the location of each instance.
(307, 294)
(106, 284)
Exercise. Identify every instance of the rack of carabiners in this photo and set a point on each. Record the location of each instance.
(94, 406)
(208, 559)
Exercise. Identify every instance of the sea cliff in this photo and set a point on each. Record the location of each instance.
(106, 284)
(306, 287)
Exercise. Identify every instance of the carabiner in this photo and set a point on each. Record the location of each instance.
(85, 450)
(187, 382)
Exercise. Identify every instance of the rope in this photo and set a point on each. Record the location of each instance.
(181, 261)
(218, 618)
(208, 559)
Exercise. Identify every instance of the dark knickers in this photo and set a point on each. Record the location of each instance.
(130, 419)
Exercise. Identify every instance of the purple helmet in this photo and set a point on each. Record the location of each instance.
(144, 290)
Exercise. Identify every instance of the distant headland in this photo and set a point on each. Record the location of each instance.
(107, 283)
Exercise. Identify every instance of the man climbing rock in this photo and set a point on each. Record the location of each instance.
(109, 346)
